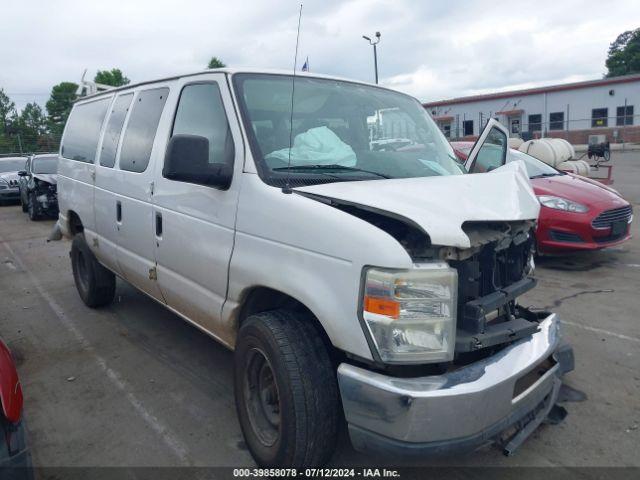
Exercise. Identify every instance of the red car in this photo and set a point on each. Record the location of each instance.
(15, 458)
(576, 213)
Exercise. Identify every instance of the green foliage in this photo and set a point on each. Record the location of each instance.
(59, 105)
(113, 77)
(7, 110)
(215, 62)
(624, 54)
(7, 122)
(31, 130)
(31, 124)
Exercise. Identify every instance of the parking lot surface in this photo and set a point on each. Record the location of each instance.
(133, 385)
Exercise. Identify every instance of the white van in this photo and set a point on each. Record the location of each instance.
(374, 285)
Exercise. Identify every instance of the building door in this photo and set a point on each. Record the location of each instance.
(514, 125)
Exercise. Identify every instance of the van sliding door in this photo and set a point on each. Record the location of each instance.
(133, 212)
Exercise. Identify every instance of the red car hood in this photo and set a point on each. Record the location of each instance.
(578, 189)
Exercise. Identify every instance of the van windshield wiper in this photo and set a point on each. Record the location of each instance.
(321, 167)
(542, 175)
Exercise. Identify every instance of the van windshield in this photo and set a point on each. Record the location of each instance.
(341, 131)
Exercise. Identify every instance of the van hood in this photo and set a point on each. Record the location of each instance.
(51, 178)
(440, 205)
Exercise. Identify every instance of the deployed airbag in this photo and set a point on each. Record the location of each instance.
(317, 146)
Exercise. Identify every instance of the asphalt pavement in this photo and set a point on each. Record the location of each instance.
(133, 385)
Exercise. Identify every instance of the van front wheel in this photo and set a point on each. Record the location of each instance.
(96, 285)
(286, 390)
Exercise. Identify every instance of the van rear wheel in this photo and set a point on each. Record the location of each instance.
(95, 284)
(286, 390)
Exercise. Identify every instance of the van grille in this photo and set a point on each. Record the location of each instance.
(606, 218)
(489, 283)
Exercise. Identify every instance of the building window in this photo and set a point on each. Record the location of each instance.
(624, 117)
(556, 121)
(467, 127)
(446, 129)
(599, 117)
(535, 123)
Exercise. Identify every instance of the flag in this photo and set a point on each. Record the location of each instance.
(305, 67)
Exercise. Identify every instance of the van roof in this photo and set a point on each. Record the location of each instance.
(229, 71)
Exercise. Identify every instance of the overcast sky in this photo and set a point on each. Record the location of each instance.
(431, 49)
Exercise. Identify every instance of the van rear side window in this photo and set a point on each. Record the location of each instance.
(141, 129)
(114, 128)
(83, 130)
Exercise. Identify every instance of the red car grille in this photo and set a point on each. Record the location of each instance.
(606, 218)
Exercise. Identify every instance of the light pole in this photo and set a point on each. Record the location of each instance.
(375, 51)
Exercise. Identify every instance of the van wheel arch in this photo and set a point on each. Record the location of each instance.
(261, 299)
(75, 224)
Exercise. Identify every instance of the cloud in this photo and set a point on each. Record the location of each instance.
(430, 49)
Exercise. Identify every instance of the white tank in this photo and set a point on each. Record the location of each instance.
(583, 168)
(515, 142)
(540, 149)
(572, 151)
(568, 166)
(562, 149)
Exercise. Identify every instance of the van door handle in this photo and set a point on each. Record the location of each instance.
(118, 211)
(158, 224)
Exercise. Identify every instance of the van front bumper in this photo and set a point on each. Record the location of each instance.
(460, 410)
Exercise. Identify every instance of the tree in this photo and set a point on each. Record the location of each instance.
(59, 105)
(31, 125)
(624, 54)
(215, 62)
(113, 77)
(7, 110)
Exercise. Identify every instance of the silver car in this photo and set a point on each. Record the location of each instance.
(9, 168)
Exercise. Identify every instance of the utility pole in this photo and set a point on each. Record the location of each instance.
(374, 43)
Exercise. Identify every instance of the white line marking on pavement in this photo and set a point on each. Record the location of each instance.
(600, 330)
(169, 438)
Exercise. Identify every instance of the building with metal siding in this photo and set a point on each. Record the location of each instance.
(608, 107)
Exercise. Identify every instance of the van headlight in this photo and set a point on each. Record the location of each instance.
(411, 314)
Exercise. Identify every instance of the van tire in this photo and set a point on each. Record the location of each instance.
(288, 347)
(96, 285)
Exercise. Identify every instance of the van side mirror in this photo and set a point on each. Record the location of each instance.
(187, 160)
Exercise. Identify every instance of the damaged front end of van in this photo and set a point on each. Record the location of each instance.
(497, 366)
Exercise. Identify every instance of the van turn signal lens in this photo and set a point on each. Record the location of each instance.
(382, 306)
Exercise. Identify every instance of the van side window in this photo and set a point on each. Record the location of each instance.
(114, 129)
(83, 130)
(201, 112)
(141, 129)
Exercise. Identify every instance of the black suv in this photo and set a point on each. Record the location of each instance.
(38, 186)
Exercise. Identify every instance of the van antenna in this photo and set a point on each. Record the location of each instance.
(287, 185)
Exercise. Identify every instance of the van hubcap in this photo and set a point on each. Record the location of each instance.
(262, 400)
